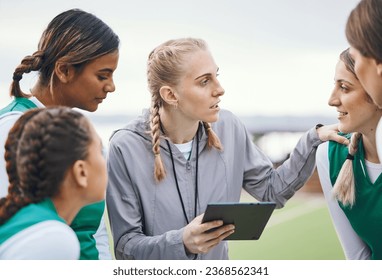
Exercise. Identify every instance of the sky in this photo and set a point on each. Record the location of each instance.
(276, 57)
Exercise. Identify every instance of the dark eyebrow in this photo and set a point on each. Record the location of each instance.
(207, 74)
(109, 70)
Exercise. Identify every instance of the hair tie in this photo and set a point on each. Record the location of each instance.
(319, 125)
(349, 156)
(156, 154)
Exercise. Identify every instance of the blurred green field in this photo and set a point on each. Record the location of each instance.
(302, 230)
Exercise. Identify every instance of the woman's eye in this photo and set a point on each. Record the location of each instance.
(343, 87)
(205, 81)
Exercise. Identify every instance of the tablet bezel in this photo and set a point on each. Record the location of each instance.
(249, 218)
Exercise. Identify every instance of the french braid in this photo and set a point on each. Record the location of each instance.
(15, 198)
(40, 148)
(159, 170)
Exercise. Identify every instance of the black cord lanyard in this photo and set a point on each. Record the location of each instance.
(196, 176)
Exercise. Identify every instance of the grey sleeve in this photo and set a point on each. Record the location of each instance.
(127, 218)
(353, 246)
(266, 183)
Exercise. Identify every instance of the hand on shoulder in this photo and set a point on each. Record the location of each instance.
(330, 132)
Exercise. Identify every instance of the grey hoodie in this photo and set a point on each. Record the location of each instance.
(146, 217)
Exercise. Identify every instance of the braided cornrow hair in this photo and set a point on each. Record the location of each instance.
(40, 148)
(74, 37)
(11, 166)
(165, 66)
(344, 187)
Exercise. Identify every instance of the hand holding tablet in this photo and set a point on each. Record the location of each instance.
(249, 219)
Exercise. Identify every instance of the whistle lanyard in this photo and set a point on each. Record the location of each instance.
(196, 176)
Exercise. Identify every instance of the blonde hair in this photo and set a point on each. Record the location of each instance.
(344, 187)
(165, 66)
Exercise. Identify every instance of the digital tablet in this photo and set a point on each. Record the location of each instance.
(249, 218)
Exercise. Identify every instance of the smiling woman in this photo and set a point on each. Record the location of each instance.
(352, 174)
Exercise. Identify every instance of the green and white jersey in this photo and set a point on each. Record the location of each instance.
(358, 228)
(33, 232)
(88, 224)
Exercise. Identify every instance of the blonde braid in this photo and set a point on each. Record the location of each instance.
(159, 170)
(344, 187)
(213, 139)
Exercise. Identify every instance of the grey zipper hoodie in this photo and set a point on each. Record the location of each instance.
(146, 217)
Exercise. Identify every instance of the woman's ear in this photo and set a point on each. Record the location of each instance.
(168, 95)
(80, 173)
(64, 72)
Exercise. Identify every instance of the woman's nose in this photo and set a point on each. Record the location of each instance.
(333, 99)
(110, 87)
(219, 90)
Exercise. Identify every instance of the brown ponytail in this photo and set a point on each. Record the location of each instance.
(28, 64)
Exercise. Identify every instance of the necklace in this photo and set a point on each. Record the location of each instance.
(196, 176)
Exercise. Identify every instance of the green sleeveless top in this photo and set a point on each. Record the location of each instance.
(29, 216)
(87, 221)
(365, 215)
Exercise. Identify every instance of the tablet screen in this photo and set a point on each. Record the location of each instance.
(249, 219)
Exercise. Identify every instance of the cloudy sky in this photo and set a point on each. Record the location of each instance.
(276, 57)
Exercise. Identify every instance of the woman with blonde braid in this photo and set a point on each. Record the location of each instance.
(351, 175)
(55, 167)
(185, 152)
(76, 58)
